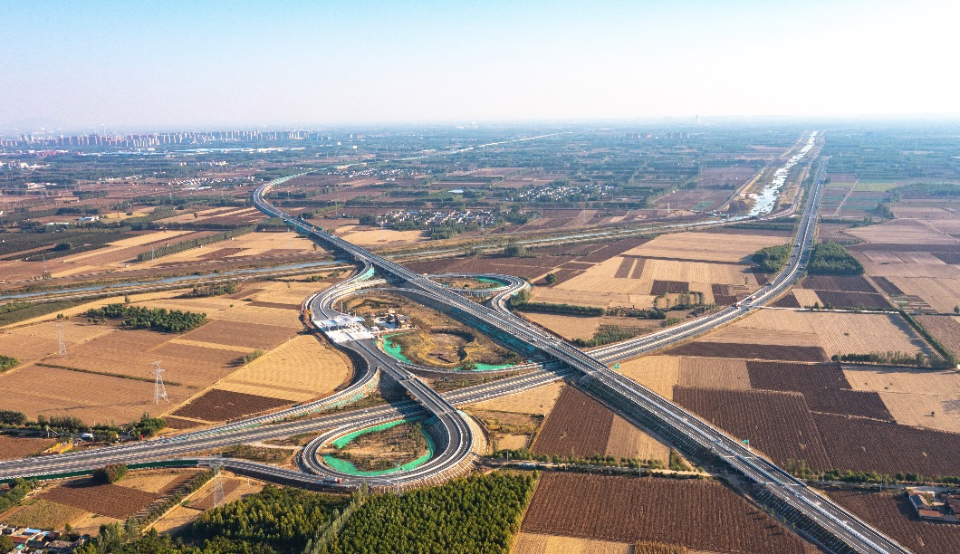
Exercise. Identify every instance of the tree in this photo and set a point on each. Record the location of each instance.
(6, 544)
(551, 278)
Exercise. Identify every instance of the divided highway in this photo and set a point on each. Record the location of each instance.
(841, 530)
(641, 404)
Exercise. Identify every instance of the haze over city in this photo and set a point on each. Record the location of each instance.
(73, 66)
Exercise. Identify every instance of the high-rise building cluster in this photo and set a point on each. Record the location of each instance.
(49, 140)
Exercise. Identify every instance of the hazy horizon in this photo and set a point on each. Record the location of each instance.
(74, 67)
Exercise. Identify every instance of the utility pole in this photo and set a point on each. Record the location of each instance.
(62, 344)
(159, 390)
(219, 496)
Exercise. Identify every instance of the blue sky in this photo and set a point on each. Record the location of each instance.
(76, 65)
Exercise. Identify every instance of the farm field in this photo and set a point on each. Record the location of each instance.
(945, 329)
(779, 424)
(106, 357)
(537, 401)
(629, 441)
(835, 333)
(893, 515)
(87, 396)
(110, 500)
(12, 448)
(301, 369)
(657, 373)
(242, 248)
(367, 236)
(42, 514)
(735, 349)
(783, 426)
(613, 283)
(707, 246)
(534, 543)
(921, 398)
(578, 426)
(627, 510)
(568, 327)
(222, 405)
(710, 373)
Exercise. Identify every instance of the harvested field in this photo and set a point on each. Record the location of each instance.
(942, 294)
(928, 411)
(776, 423)
(31, 343)
(657, 373)
(156, 482)
(750, 351)
(710, 247)
(300, 369)
(902, 231)
(807, 298)
(707, 373)
(627, 509)
(839, 283)
(177, 520)
(533, 543)
(109, 500)
(865, 445)
(538, 401)
(42, 514)
(578, 426)
(945, 329)
(221, 405)
(90, 523)
(12, 448)
(599, 285)
(893, 515)
(377, 237)
(629, 441)
(836, 333)
(568, 327)
(824, 387)
(856, 300)
(84, 395)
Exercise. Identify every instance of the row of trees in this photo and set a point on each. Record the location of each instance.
(157, 319)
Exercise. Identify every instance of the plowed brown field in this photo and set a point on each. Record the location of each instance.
(577, 426)
(893, 515)
(221, 405)
(626, 509)
(778, 424)
(109, 500)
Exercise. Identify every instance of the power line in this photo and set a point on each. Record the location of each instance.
(159, 390)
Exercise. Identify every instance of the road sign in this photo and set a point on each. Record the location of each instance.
(616, 366)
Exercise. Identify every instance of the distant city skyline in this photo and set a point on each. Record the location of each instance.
(136, 66)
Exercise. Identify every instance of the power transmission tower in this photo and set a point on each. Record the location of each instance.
(219, 496)
(159, 391)
(62, 344)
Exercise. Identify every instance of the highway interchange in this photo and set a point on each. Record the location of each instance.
(830, 525)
